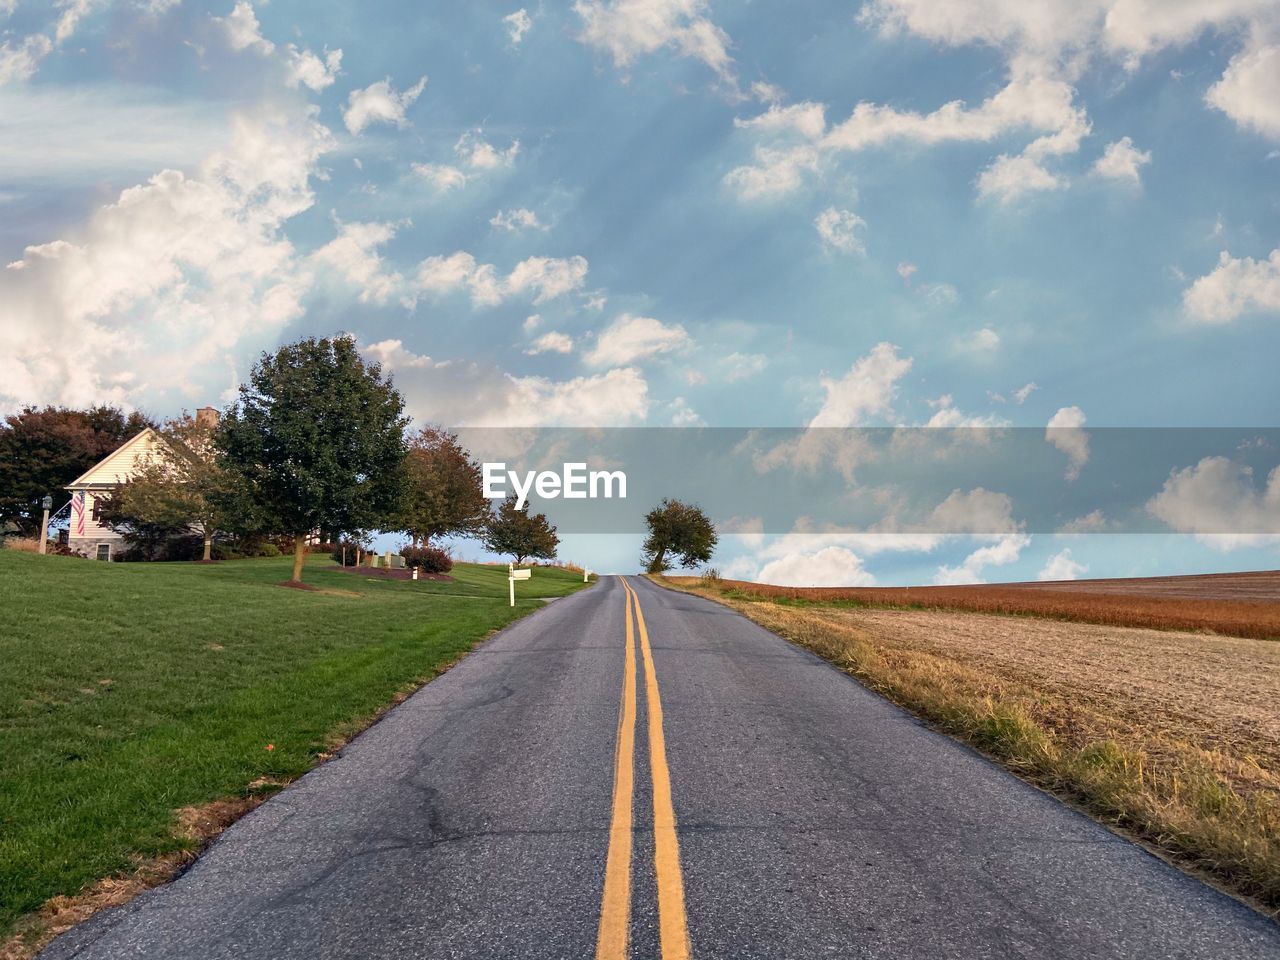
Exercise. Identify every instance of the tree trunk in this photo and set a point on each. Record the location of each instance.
(519, 560)
(299, 556)
(208, 548)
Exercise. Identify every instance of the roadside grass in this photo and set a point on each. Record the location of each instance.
(1257, 619)
(1210, 802)
(129, 692)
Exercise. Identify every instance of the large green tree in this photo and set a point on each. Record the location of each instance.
(445, 492)
(318, 434)
(186, 486)
(679, 530)
(514, 531)
(43, 449)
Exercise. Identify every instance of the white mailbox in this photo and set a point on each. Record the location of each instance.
(512, 577)
(521, 574)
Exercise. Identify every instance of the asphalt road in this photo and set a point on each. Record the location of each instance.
(812, 819)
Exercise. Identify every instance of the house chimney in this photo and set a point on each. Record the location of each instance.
(207, 417)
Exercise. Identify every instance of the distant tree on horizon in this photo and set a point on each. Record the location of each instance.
(318, 435)
(681, 530)
(513, 530)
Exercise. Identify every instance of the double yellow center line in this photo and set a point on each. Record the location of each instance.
(615, 908)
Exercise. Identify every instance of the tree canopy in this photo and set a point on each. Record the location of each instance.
(44, 449)
(318, 435)
(445, 492)
(514, 531)
(679, 530)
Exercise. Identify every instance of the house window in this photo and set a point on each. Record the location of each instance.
(96, 511)
(104, 551)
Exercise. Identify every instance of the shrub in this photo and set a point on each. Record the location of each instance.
(710, 577)
(427, 559)
(346, 551)
(268, 549)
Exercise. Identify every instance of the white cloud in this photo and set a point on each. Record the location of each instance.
(1010, 178)
(1025, 391)
(166, 283)
(1065, 432)
(1061, 567)
(1218, 501)
(1095, 521)
(627, 29)
(19, 62)
(310, 70)
(1003, 552)
(774, 173)
(1236, 286)
(866, 391)
(380, 103)
(518, 219)
(441, 176)
(242, 29)
(807, 119)
(827, 567)
(631, 338)
(532, 322)
(478, 154)
(1249, 91)
(839, 230)
(1122, 161)
(518, 25)
(544, 277)
(551, 342)
(353, 254)
(906, 271)
(683, 415)
(979, 341)
(459, 393)
(976, 511)
(948, 416)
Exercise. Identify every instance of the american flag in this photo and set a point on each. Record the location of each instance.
(77, 513)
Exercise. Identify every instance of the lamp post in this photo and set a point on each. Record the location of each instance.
(47, 503)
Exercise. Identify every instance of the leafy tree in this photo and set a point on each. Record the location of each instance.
(42, 450)
(445, 494)
(513, 531)
(184, 487)
(318, 434)
(679, 529)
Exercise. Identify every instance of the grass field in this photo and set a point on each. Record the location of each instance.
(1238, 605)
(131, 691)
(1172, 736)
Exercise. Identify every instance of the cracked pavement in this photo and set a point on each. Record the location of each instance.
(815, 820)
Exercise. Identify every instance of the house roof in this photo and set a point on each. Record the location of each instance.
(117, 467)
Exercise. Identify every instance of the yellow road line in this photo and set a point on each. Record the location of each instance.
(615, 907)
(673, 927)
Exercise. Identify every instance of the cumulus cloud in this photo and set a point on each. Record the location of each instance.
(1010, 178)
(1249, 91)
(774, 172)
(544, 277)
(1061, 567)
(741, 366)
(310, 70)
(866, 391)
(441, 176)
(20, 60)
(1065, 432)
(979, 341)
(1025, 391)
(683, 415)
(353, 255)
(827, 567)
(631, 338)
(518, 25)
(551, 342)
(243, 30)
(1219, 502)
(478, 154)
(1004, 551)
(839, 230)
(168, 281)
(380, 103)
(460, 393)
(1238, 285)
(1122, 161)
(512, 221)
(628, 29)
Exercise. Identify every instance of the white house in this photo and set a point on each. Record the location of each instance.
(86, 535)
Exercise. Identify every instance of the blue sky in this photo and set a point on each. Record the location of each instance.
(666, 212)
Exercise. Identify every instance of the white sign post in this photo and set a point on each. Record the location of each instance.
(512, 577)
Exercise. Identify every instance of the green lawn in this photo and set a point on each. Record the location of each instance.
(128, 691)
